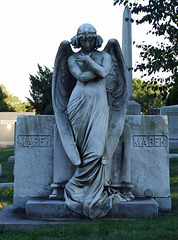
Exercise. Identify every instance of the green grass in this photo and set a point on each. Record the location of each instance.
(7, 169)
(154, 229)
(174, 184)
(6, 196)
(164, 227)
(173, 151)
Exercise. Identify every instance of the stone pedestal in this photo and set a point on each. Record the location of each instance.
(55, 209)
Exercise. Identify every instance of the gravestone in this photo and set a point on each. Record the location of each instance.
(33, 158)
(172, 113)
(7, 123)
(11, 160)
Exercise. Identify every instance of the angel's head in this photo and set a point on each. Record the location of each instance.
(86, 32)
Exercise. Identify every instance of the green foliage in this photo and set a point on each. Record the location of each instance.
(49, 110)
(41, 89)
(6, 196)
(7, 169)
(4, 106)
(147, 95)
(174, 184)
(11, 103)
(162, 57)
(173, 96)
(16, 103)
(175, 150)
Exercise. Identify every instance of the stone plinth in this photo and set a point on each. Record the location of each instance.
(172, 113)
(55, 209)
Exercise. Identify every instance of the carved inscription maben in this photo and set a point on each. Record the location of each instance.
(150, 141)
(34, 141)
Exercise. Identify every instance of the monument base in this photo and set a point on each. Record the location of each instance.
(164, 204)
(45, 209)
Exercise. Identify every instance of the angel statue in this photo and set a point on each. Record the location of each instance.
(89, 92)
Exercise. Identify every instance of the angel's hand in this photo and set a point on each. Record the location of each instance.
(83, 57)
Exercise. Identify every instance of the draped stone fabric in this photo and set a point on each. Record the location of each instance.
(88, 112)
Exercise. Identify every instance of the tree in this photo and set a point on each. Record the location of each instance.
(14, 103)
(4, 106)
(173, 96)
(145, 96)
(163, 18)
(41, 90)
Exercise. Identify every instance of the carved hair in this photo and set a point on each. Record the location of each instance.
(86, 31)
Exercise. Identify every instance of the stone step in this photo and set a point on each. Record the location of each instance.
(44, 209)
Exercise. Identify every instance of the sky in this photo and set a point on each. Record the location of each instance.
(32, 30)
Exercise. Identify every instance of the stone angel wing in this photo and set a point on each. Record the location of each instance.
(116, 87)
(62, 85)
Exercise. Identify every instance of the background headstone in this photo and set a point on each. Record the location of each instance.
(172, 113)
(7, 122)
(11, 160)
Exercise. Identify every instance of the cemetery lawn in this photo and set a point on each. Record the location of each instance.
(7, 169)
(163, 227)
(173, 151)
(6, 194)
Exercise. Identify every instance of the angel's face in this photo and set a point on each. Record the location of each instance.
(87, 44)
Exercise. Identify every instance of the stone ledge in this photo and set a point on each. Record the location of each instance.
(17, 220)
(138, 208)
(45, 209)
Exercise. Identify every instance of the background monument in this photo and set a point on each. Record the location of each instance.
(7, 127)
(133, 107)
(172, 113)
